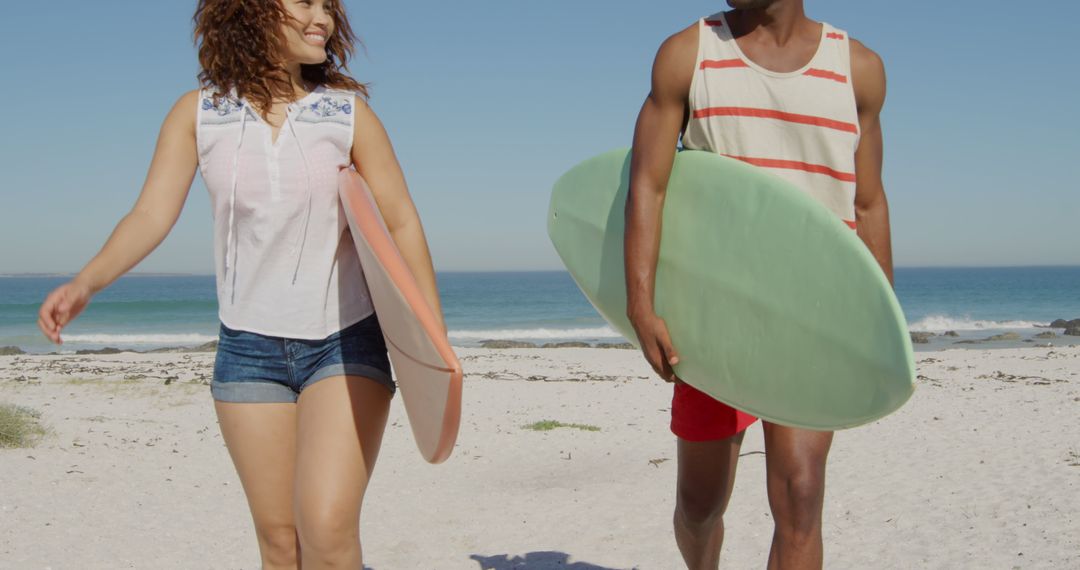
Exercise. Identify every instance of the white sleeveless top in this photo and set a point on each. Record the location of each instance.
(802, 125)
(285, 265)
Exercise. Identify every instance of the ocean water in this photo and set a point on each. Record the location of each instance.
(146, 312)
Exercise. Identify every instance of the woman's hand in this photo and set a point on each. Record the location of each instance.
(61, 307)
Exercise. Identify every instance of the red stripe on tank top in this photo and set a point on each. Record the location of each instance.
(722, 63)
(795, 165)
(826, 74)
(714, 23)
(778, 115)
(834, 36)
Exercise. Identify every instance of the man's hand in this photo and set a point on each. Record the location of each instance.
(652, 333)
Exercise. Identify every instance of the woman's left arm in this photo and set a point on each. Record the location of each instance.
(373, 156)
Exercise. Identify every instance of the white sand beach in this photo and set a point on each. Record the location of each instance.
(981, 469)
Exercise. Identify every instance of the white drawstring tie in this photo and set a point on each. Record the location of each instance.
(230, 245)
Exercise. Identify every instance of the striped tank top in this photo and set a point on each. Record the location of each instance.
(800, 125)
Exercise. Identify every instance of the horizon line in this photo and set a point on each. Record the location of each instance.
(541, 270)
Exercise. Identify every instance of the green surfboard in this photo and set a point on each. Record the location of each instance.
(774, 305)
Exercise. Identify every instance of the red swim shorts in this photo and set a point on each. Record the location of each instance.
(696, 416)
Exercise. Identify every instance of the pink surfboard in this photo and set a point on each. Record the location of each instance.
(428, 373)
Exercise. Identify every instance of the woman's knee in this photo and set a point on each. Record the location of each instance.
(328, 532)
(277, 544)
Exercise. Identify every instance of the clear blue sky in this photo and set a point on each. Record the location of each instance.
(488, 102)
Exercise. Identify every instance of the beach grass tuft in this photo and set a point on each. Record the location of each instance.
(548, 425)
(20, 426)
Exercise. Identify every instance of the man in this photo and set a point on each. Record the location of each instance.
(764, 84)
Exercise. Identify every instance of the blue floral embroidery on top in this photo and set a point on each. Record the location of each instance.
(221, 105)
(328, 107)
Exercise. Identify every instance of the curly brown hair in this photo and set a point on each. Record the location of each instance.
(239, 50)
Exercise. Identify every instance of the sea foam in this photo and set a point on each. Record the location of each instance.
(180, 339)
(941, 323)
(538, 333)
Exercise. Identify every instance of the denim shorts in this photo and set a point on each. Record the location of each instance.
(251, 367)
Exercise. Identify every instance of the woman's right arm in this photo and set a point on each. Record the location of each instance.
(143, 228)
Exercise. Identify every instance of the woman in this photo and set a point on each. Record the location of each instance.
(301, 382)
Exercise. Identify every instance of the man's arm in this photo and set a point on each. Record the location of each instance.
(871, 206)
(655, 138)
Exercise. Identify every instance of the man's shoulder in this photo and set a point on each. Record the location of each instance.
(682, 43)
(867, 77)
(673, 69)
(865, 59)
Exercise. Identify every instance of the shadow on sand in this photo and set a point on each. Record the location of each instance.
(548, 560)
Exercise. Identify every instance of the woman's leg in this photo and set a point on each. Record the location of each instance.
(261, 438)
(340, 423)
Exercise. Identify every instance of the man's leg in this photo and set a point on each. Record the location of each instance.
(706, 477)
(795, 462)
